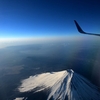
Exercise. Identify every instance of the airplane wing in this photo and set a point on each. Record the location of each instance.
(81, 31)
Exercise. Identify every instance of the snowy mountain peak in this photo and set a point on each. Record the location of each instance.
(64, 85)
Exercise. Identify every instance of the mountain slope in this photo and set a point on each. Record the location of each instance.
(64, 85)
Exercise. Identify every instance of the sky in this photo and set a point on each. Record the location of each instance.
(47, 18)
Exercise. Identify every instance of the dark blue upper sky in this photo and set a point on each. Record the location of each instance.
(27, 18)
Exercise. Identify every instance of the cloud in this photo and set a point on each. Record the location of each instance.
(4, 42)
(19, 98)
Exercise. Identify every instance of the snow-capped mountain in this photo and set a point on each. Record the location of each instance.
(64, 85)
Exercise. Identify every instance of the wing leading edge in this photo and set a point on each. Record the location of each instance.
(81, 31)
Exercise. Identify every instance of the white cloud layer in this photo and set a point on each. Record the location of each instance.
(19, 98)
(4, 42)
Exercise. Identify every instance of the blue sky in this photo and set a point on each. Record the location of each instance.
(41, 18)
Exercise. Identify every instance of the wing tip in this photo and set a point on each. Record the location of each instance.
(78, 27)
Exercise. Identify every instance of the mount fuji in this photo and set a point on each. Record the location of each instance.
(63, 85)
